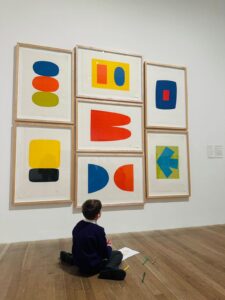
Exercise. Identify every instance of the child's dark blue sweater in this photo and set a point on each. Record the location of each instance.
(89, 246)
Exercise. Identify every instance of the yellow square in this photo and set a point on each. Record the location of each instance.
(44, 154)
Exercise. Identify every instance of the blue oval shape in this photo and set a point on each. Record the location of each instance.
(119, 76)
(45, 68)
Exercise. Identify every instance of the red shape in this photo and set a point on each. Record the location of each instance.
(103, 126)
(45, 84)
(101, 74)
(124, 178)
(166, 95)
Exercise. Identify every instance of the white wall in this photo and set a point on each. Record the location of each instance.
(180, 32)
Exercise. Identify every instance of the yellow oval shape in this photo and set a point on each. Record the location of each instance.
(45, 99)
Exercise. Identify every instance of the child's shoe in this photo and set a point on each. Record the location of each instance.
(66, 257)
(113, 274)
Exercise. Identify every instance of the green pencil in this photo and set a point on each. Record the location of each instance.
(145, 260)
(143, 277)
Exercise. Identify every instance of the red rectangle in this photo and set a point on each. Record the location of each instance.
(101, 74)
(166, 95)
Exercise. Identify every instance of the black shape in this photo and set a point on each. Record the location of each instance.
(43, 175)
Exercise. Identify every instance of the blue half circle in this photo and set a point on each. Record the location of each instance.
(97, 178)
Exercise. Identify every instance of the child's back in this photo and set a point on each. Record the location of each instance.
(89, 246)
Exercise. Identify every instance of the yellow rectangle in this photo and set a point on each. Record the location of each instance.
(112, 68)
(44, 154)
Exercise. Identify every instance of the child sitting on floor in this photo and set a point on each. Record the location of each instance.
(91, 252)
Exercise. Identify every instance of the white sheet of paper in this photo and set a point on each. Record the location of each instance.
(127, 252)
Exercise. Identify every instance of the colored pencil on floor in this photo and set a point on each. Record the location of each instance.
(126, 268)
(143, 277)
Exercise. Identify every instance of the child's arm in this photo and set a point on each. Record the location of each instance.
(105, 245)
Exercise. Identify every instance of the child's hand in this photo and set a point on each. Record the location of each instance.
(109, 243)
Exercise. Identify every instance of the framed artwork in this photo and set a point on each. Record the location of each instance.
(103, 74)
(44, 91)
(115, 180)
(105, 126)
(167, 164)
(165, 96)
(43, 164)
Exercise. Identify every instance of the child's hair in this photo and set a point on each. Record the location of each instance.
(91, 208)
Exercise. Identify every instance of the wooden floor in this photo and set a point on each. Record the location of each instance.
(182, 264)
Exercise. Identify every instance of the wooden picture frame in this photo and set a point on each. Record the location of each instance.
(167, 164)
(109, 75)
(43, 164)
(104, 126)
(44, 84)
(117, 180)
(165, 96)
